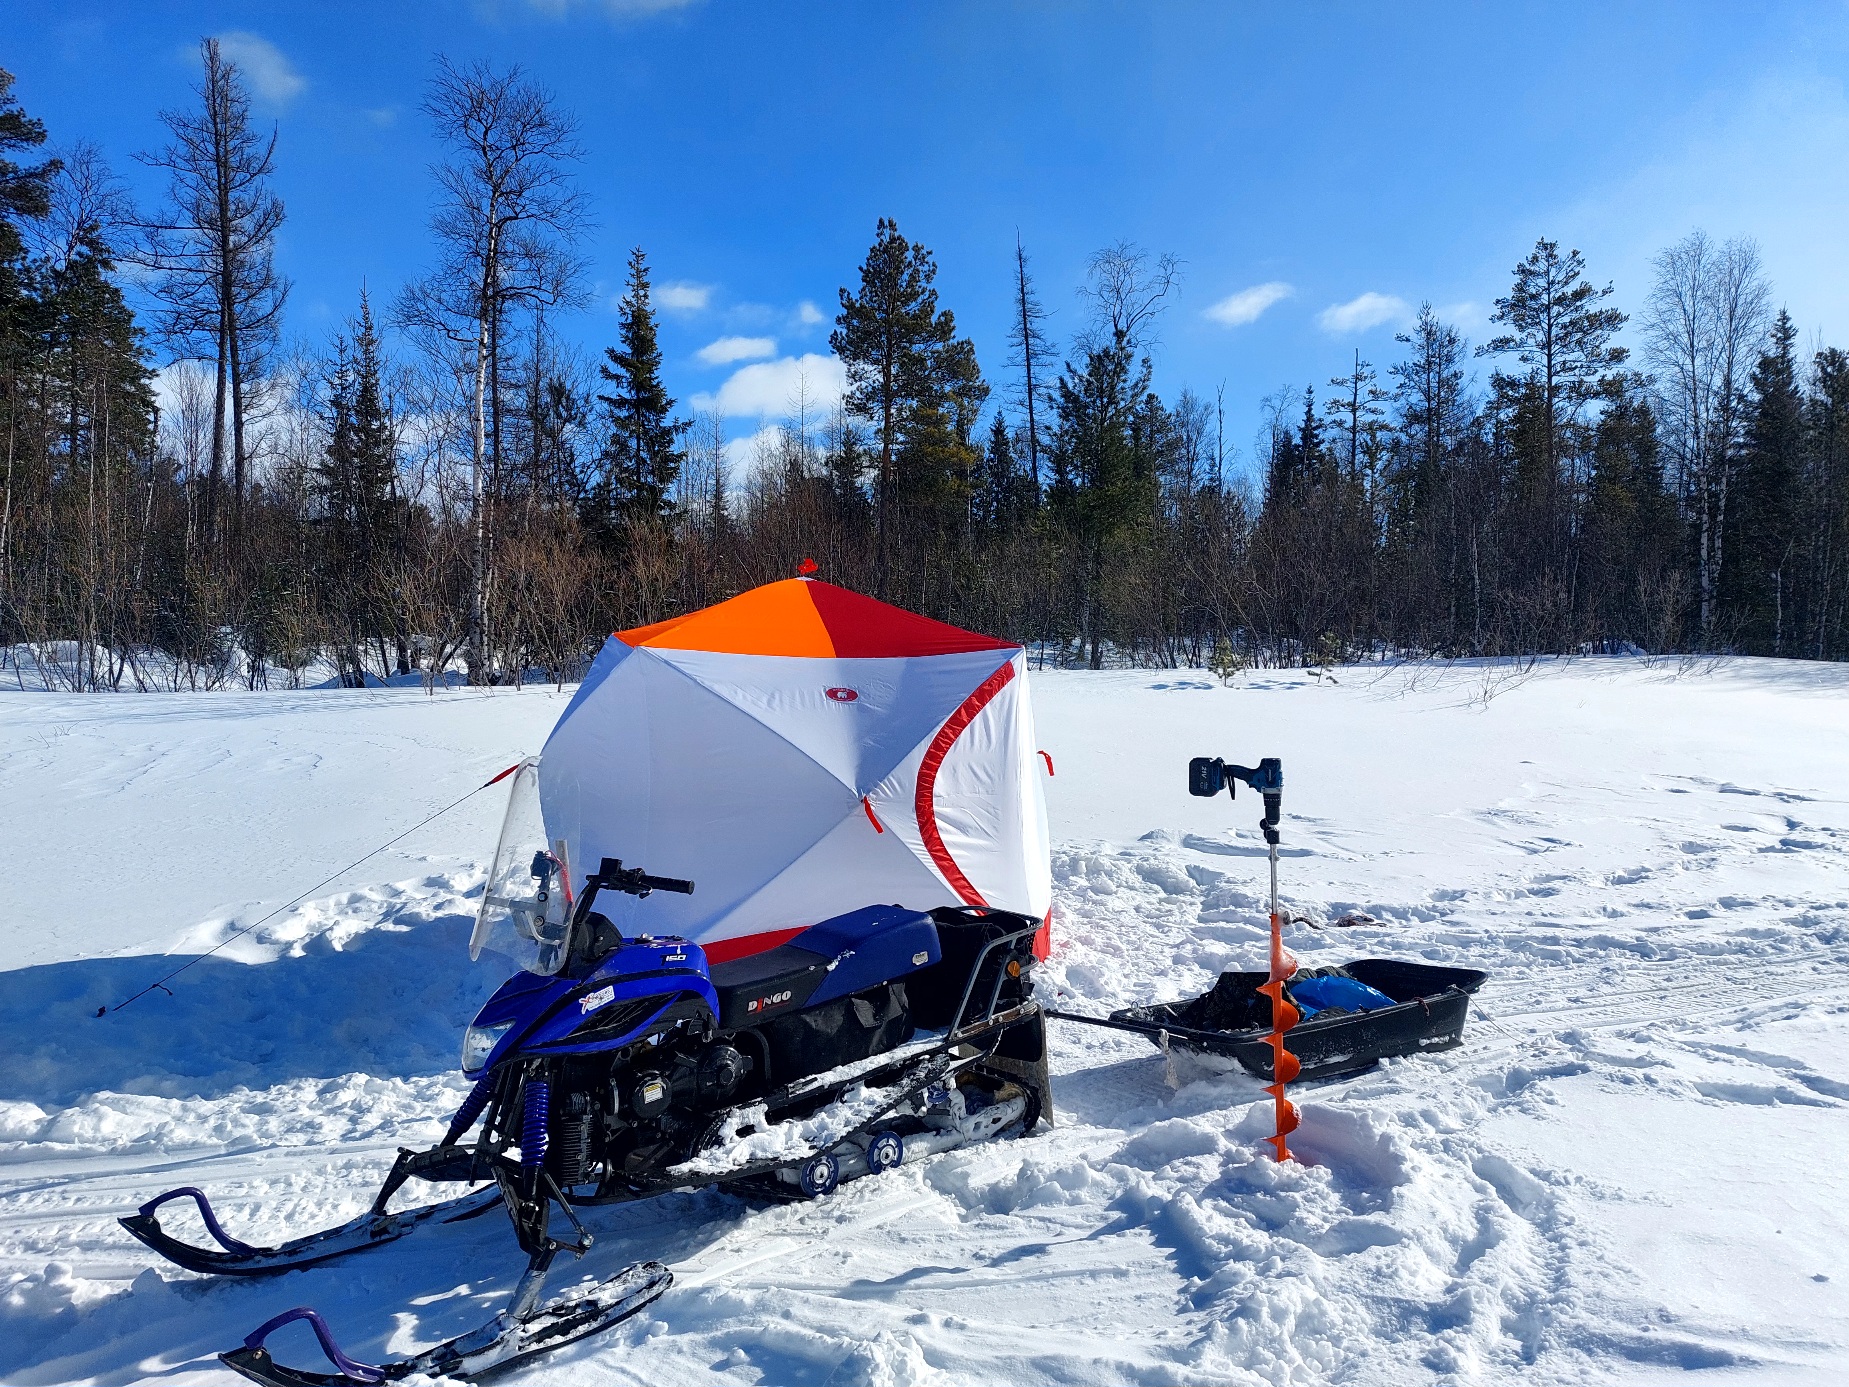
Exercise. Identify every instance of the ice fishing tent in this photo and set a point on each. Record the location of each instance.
(800, 751)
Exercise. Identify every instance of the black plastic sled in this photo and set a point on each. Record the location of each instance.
(1234, 1020)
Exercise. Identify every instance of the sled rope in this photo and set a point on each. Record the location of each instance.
(160, 984)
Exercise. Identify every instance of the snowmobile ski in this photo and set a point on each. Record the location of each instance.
(233, 1257)
(518, 1333)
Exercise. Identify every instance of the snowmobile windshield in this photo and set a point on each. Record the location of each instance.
(525, 913)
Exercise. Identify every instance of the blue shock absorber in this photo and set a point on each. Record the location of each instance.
(533, 1123)
(471, 1108)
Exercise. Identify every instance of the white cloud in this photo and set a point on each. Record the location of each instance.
(769, 389)
(1248, 304)
(382, 116)
(272, 79)
(1468, 315)
(1369, 310)
(808, 314)
(729, 349)
(681, 296)
(744, 457)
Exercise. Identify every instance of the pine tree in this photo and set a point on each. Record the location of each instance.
(1631, 538)
(1007, 495)
(25, 190)
(1286, 476)
(1433, 415)
(1563, 339)
(375, 433)
(1225, 663)
(1356, 412)
(1761, 554)
(95, 427)
(642, 457)
(1310, 440)
(1825, 628)
(908, 374)
(356, 482)
(1032, 355)
(1105, 484)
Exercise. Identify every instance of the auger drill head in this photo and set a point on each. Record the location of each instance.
(1207, 774)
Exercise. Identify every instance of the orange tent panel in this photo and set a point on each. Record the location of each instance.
(803, 616)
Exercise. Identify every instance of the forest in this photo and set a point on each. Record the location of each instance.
(446, 486)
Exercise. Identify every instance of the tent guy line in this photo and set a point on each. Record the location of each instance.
(160, 984)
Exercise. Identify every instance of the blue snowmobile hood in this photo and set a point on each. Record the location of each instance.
(563, 1016)
(634, 984)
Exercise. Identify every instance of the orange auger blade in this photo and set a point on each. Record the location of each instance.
(1284, 1065)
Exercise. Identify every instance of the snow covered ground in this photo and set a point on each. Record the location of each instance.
(1632, 1170)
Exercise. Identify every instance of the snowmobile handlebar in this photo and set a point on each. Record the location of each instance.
(1207, 775)
(612, 875)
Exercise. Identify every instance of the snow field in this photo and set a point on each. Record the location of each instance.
(1631, 1169)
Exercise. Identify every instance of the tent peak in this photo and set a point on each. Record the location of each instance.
(806, 616)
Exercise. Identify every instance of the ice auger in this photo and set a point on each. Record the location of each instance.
(1206, 776)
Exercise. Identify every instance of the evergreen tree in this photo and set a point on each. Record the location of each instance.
(847, 463)
(1631, 538)
(1357, 415)
(1433, 415)
(1310, 440)
(909, 375)
(1007, 495)
(356, 482)
(1558, 332)
(1286, 475)
(1032, 355)
(357, 477)
(642, 457)
(77, 410)
(25, 189)
(1105, 483)
(1825, 628)
(1761, 566)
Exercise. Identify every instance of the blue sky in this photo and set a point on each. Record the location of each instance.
(1320, 168)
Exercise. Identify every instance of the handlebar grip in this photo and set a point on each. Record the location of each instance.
(675, 884)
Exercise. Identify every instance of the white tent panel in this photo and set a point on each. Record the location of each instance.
(985, 805)
(853, 866)
(653, 768)
(880, 710)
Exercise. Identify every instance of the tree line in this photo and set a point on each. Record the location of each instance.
(446, 484)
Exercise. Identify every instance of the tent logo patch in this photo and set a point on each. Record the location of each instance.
(843, 695)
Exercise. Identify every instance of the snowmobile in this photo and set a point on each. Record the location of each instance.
(611, 1068)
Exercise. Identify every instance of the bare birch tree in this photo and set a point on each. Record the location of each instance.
(1703, 325)
(507, 217)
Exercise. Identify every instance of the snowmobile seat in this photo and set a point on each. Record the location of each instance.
(769, 984)
(870, 946)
